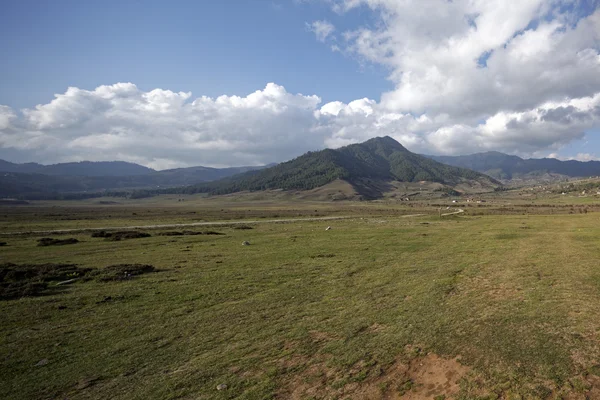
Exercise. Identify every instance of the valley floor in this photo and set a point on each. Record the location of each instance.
(501, 301)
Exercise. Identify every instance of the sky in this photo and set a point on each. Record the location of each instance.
(232, 83)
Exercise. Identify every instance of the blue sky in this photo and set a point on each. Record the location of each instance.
(206, 47)
(271, 79)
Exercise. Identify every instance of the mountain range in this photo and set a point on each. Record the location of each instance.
(83, 168)
(508, 167)
(34, 180)
(365, 166)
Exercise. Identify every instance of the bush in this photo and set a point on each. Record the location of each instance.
(32, 280)
(56, 242)
(121, 235)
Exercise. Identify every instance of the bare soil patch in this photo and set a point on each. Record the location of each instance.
(423, 378)
(434, 376)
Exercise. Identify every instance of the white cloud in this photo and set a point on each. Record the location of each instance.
(6, 117)
(469, 75)
(434, 51)
(585, 157)
(161, 127)
(321, 29)
(579, 157)
(164, 129)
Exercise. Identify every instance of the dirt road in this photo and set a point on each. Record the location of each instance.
(188, 225)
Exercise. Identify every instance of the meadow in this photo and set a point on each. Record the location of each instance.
(499, 302)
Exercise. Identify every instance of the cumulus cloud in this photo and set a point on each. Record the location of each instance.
(6, 117)
(471, 58)
(165, 129)
(321, 29)
(161, 128)
(578, 157)
(551, 125)
(468, 75)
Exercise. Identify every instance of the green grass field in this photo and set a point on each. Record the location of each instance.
(380, 306)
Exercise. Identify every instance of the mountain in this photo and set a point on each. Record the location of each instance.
(98, 168)
(369, 168)
(6, 166)
(363, 165)
(83, 168)
(187, 176)
(22, 180)
(507, 167)
(178, 176)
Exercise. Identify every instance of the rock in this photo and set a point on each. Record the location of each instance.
(221, 386)
(245, 243)
(41, 363)
(328, 228)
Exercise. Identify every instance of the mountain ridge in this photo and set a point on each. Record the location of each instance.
(25, 182)
(508, 167)
(80, 168)
(378, 159)
(370, 167)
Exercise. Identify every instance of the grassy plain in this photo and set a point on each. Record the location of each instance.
(503, 299)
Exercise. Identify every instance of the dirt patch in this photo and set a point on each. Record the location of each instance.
(423, 378)
(34, 280)
(580, 387)
(189, 233)
(494, 289)
(56, 242)
(433, 376)
(121, 235)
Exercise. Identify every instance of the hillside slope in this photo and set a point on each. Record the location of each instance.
(504, 166)
(83, 168)
(95, 177)
(378, 159)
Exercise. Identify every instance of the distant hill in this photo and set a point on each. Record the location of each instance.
(507, 167)
(83, 168)
(28, 168)
(22, 180)
(98, 168)
(369, 168)
(187, 176)
(379, 160)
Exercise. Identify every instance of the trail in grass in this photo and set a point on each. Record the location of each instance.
(218, 223)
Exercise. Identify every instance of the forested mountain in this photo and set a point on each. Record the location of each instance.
(82, 178)
(363, 165)
(83, 168)
(504, 166)
(381, 159)
(179, 176)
